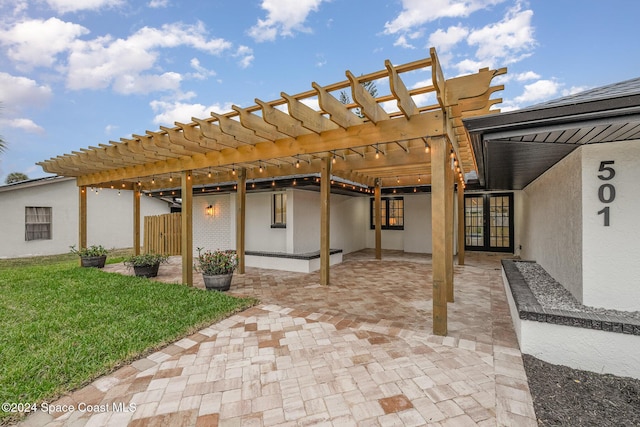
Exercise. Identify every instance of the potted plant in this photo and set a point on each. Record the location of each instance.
(217, 268)
(93, 256)
(145, 265)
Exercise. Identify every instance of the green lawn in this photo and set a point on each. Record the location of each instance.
(62, 326)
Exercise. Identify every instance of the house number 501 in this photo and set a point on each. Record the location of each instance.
(607, 191)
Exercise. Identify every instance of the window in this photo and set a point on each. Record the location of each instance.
(392, 213)
(37, 223)
(279, 211)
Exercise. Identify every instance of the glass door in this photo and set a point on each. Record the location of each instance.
(489, 222)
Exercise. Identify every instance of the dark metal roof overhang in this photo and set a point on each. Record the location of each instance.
(514, 148)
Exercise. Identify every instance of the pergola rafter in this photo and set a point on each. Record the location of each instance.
(372, 145)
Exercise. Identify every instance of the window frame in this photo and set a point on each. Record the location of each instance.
(30, 234)
(386, 213)
(283, 207)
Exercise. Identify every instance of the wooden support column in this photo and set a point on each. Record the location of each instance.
(377, 208)
(187, 228)
(439, 164)
(82, 217)
(136, 221)
(449, 229)
(241, 202)
(461, 240)
(325, 197)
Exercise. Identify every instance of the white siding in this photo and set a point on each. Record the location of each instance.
(109, 217)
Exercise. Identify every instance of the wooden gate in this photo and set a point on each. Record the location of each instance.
(162, 234)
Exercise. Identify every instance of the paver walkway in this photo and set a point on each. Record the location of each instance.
(359, 352)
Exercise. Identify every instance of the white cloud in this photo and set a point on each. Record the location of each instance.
(126, 63)
(36, 42)
(283, 18)
(109, 129)
(167, 113)
(245, 54)
(23, 124)
(574, 89)
(537, 92)
(201, 72)
(19, 92)
(443, 41)
(527, 75)
(158, 4)
(403, 42)
(418, 12)
(64, 6)
(506, 41)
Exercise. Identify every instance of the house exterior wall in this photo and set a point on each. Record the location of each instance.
(611, 276)
(109, 217)
(302, 233)
(213, 231)
(552, 222)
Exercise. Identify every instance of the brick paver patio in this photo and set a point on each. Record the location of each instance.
(359, 352)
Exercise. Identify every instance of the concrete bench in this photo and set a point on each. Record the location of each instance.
(301, 263)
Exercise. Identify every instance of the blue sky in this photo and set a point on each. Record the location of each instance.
(79, 73)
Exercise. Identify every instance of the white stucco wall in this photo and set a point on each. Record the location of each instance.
(611, 268)
(417, 234)
(417, 218)
(348, 222)
(302, 234)
(552, 229)
(109, 217)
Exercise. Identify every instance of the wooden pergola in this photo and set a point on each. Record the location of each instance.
(310, 133)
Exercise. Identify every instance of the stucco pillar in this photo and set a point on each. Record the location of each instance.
(241, 202)
(377, 208)
(325, 197)
(439, 163)
(187, 228)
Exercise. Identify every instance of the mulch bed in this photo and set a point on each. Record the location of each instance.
(568, 397)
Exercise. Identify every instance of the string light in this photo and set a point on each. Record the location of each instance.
(209, 174)
(260, 169)
(170, 178)
(153, 180)
(233, 170)
(426, 147)
(298, 164)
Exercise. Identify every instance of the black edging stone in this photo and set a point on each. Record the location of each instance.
(530, 309)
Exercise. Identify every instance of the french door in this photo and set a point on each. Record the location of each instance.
(488, 222)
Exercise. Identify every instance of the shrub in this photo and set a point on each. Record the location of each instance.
(216, 262)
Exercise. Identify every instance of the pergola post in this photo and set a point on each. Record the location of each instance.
(82, 217)
(377, 208)
(325, 197)
(449, 229)
(136, 222)
(187, 228)
(439, 164)
(461, 239)
(241, 199)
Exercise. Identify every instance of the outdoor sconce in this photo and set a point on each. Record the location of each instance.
(209, 210)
